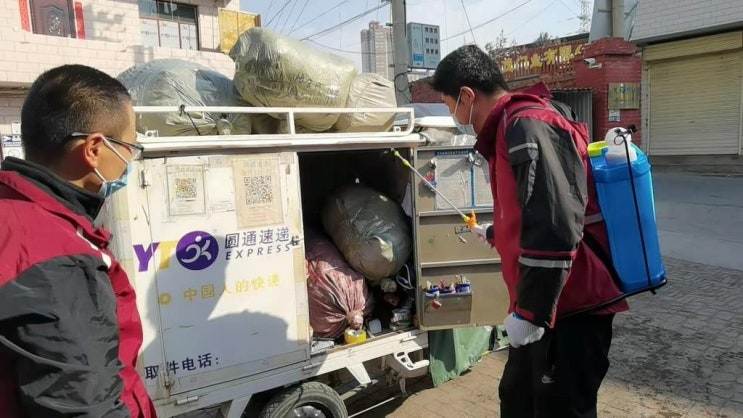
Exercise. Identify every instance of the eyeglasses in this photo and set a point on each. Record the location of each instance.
(135, 149)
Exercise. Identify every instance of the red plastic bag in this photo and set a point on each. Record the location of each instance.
(338, 295)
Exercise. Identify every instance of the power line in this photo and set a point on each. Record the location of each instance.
(345, 22)
(339, 49)
(521, 26)
(568, 7)
(288, 16)
(467, 15)
(281, 10)
(319, 16)
(489, 21)
(298, 16)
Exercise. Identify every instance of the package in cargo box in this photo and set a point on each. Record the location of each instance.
(369, 91)
(273, 70)
(338, 295)
(370, 229)
(173, 82)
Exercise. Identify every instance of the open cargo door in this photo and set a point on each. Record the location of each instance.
(446, 248)
(223, 271)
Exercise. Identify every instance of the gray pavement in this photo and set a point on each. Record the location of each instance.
(675, 354)
(700, 218)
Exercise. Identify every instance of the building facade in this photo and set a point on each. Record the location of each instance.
(111, 35)
(377, 55)
(692, 75)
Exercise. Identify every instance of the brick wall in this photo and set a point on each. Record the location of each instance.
(620, 63)
(423, 93)
(112, 44)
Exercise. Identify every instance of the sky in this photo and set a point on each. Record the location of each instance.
(303, 18)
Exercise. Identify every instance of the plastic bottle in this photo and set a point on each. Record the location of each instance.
(623, 200)
(617, 150)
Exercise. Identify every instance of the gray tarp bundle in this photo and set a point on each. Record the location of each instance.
(370, 230)
(173, 82)
(369, 90)
(273, 70)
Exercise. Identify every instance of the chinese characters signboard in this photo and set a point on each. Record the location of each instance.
(550, 59)
(624, 96)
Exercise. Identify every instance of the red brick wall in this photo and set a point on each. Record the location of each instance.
(423, 93)
(620, 63)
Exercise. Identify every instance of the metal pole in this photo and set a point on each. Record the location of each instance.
(400, 48)
(470, 220)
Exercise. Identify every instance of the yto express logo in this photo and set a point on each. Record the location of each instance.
(196, 250)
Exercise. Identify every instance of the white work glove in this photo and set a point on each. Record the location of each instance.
(520, 331)
(481, 232)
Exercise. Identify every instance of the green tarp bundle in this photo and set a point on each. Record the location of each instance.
(454, 351)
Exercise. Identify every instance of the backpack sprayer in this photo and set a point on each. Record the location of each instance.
(470, 220)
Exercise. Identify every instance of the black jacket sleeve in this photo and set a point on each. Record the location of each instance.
(58, 324)
(551, 189)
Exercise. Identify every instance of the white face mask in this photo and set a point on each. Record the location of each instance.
(468, 128)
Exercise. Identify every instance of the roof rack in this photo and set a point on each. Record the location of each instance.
(157, 144)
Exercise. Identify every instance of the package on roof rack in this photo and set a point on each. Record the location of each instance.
(369, 91)
(273, 70)
(173, 82)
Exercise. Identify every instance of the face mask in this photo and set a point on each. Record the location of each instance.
(467, 129)
(110, 187)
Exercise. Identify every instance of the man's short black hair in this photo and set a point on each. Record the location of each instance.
(67, 99)
(468, 66)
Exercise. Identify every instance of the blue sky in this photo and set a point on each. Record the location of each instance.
(557, 17)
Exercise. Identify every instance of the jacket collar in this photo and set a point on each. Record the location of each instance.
(55, 195)
(486, 138)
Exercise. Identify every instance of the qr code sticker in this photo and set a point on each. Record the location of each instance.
(185, 188)
(258, 190)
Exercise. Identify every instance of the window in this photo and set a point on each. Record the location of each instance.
(426, 29)
(168, 24)
(53, 17)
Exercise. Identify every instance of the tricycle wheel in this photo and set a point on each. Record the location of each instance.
(308, 400)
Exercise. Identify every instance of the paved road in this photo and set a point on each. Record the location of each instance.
(700, 218)
(677, 354)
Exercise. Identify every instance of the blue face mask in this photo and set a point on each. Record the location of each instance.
(467, 129)
(110, 187)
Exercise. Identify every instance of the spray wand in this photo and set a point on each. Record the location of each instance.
(470, 220)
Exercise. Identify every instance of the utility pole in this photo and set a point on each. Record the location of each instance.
(400, 47)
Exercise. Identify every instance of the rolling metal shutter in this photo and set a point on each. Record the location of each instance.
(695, 101)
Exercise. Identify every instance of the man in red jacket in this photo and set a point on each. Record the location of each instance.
(69, 327)
(549, 234)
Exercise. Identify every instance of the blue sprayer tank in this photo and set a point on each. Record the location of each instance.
(615, 195)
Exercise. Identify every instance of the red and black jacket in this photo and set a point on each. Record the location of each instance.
(70, 331)
(544, 201)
